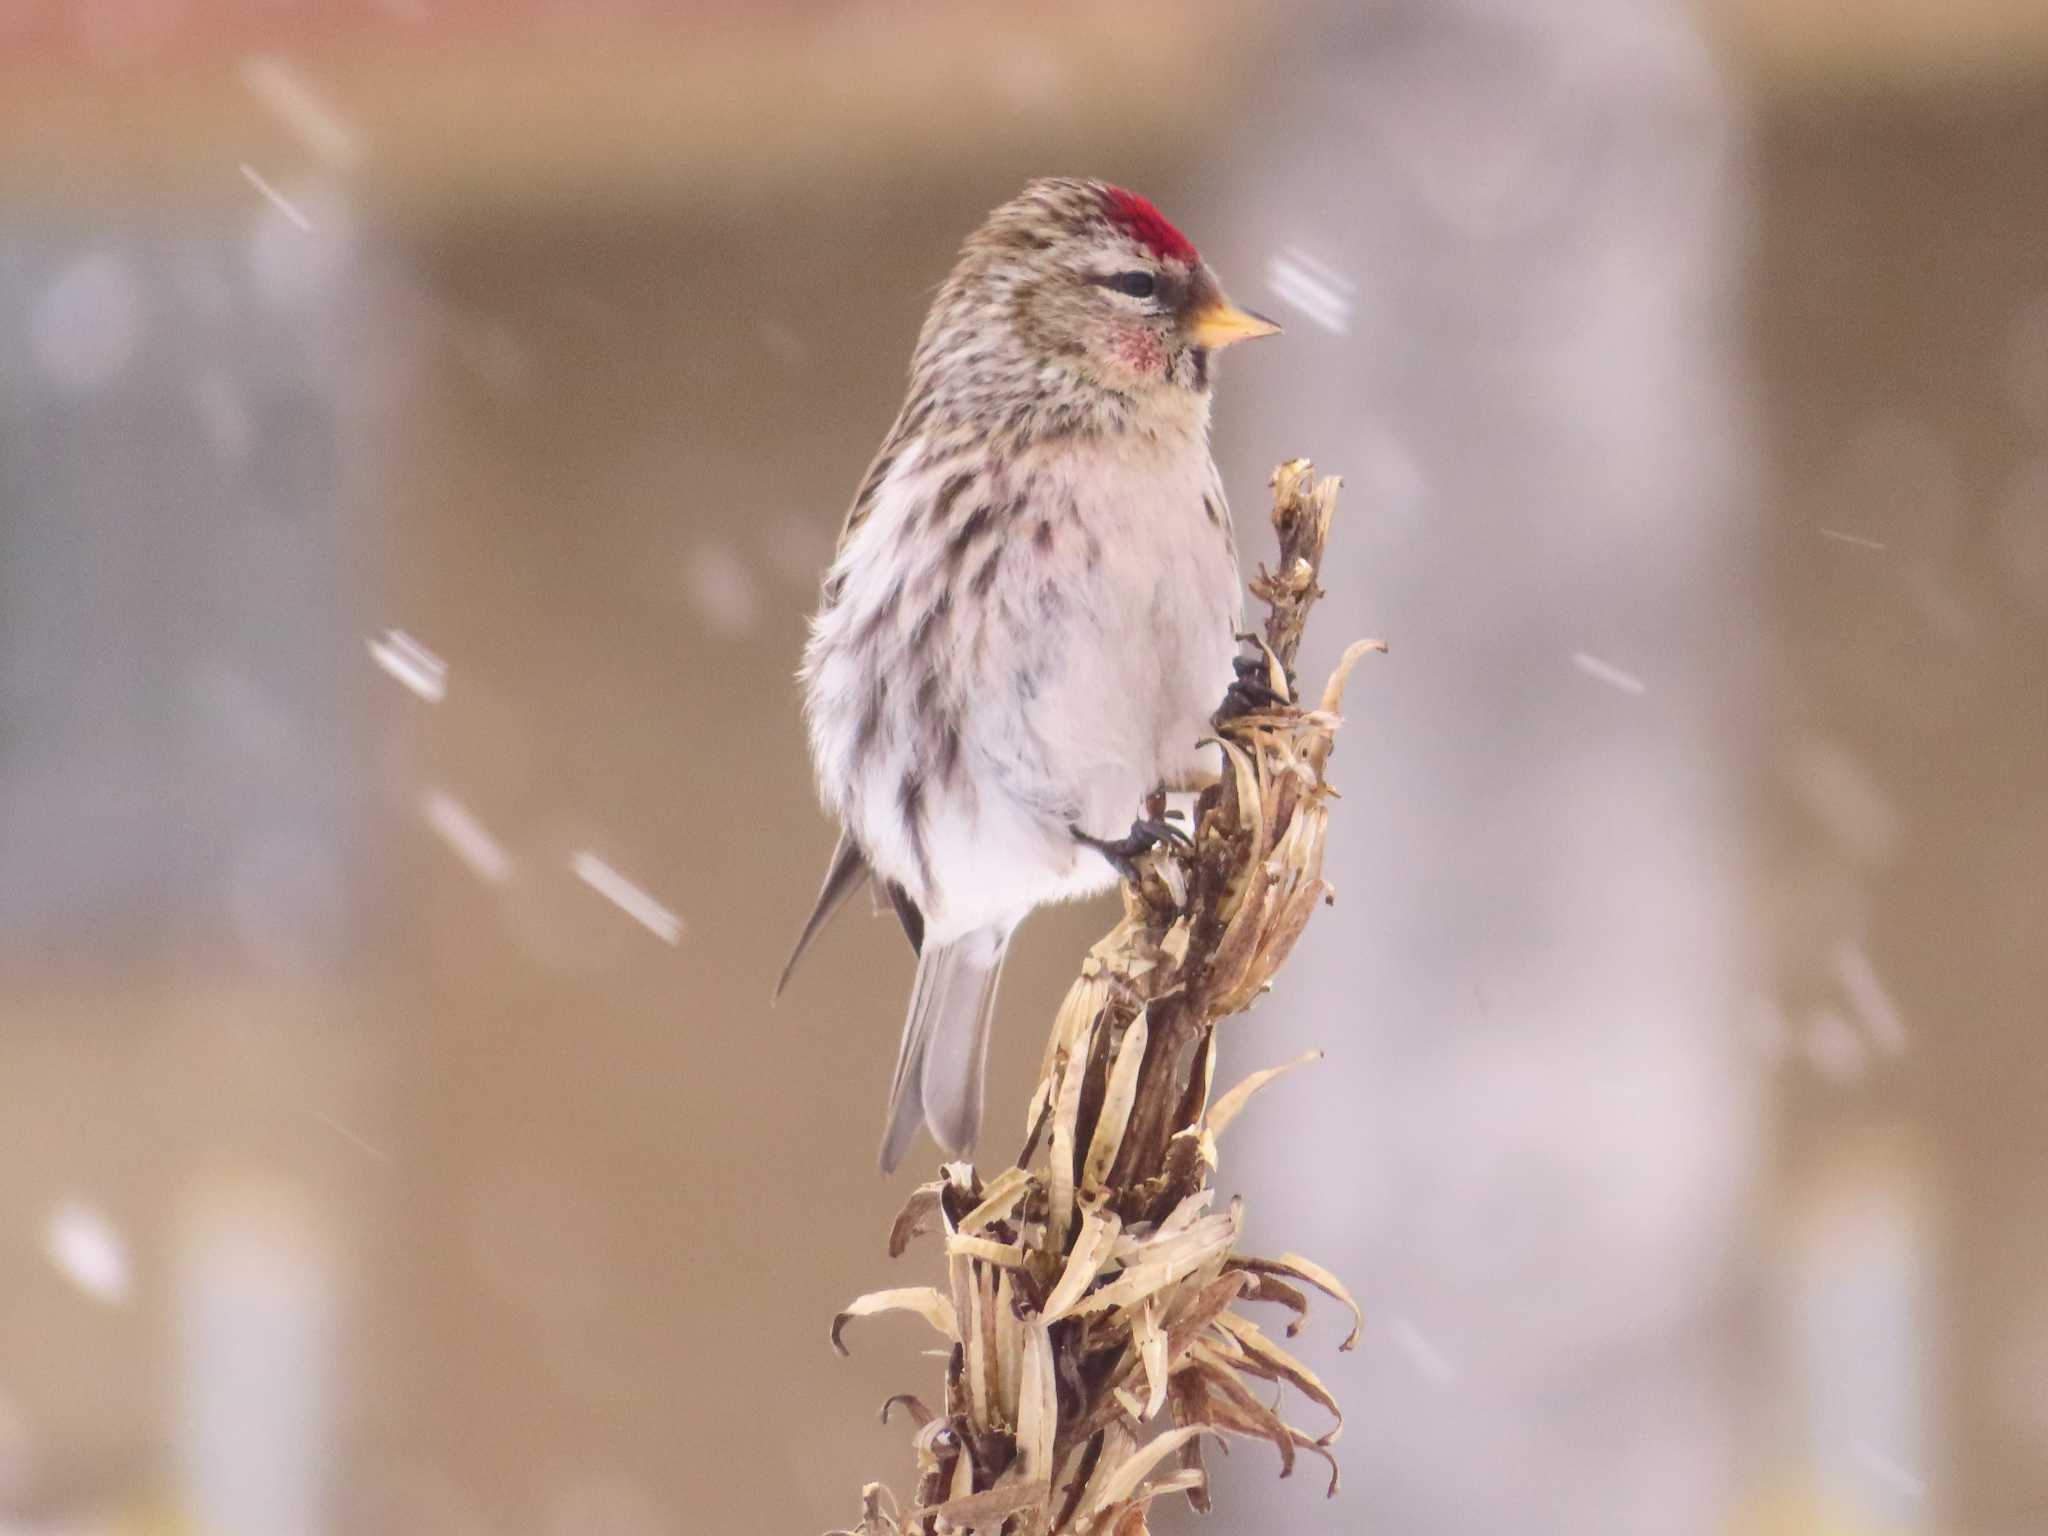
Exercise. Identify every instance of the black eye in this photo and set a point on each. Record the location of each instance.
(1139, 285)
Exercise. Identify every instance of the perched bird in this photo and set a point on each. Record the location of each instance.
(1032, 614)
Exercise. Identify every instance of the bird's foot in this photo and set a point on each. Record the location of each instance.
(1253, 692)
(1124, 852)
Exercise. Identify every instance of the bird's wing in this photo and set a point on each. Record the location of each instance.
(843, 875)
(908, 915)
(849, 864)
(848, 867)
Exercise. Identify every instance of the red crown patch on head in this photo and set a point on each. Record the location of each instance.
(1136, 217)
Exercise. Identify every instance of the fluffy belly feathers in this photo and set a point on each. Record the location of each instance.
(964, 721)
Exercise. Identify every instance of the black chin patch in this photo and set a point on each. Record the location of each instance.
(1198, 364)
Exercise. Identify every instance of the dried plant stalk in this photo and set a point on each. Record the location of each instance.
(1090, 1290)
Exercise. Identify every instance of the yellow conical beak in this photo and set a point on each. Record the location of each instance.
(1220, 322)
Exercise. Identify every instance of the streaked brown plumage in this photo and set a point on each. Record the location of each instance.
(1031, 613)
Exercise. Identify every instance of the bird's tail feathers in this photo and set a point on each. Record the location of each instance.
(944, 1056)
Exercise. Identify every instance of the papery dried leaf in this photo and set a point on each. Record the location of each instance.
(1187, 1398)
(1070, 1482)
(1174, 1482)
(1269, 1360)
(1117, 1095)
(1271, 739)
(979, 1340)
(1276, 669)
(1117, 1445)
(988, 1251)
(988, 1508)
(1183, 1216)
(1237, 950)
(1333, 690)
(1217, 1344)
(1226, 1108)
(1117, 1401)
(1201, 1084)
(1204, 1274)
(920, 1214)
(876, 1520)
(1150, 1340)
(1290, 480)
(1038, 1114)
(1121, 1481)
(878, 1504)
(1084, 1000)
(963, 1478)
(913, 1405)
(1066, 1116)
(1270, 942)
(998, 1200)
(1273, 811)
(1176, 889)
(1009, 1344)
(1037, 1404)
(1299, 1268)
(1204, 1234)
(1287, 925)
(1139, 1281)
(1318, 1448)
(1249, 812)
(1187, 1409)
(1300, 845)
(960, 1281)
(927, 1303)
(1100, 1228)
(1315, 1448)
(1116, 1301)
(1233, 1407)
(1264, 1287)
(1192, 1318)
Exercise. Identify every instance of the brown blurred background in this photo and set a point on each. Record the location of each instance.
(422, 425)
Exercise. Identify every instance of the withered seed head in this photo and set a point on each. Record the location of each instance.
(1094, 1292)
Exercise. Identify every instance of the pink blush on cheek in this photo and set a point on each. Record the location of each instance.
(1139, 350)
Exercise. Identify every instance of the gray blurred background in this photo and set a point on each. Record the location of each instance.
(422, 426)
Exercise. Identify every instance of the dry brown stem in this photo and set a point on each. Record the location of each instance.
(1091, 1289)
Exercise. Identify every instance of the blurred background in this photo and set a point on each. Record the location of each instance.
(422, 427)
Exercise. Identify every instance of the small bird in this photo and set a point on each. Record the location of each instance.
(1032, 614)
